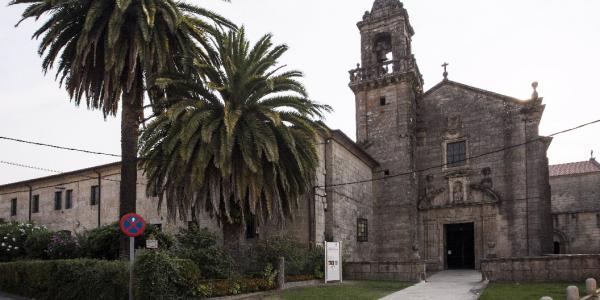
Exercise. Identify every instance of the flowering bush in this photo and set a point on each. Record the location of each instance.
(63, 246)
(37, 242)
(13, 236)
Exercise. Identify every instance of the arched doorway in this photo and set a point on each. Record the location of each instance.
(561, 242)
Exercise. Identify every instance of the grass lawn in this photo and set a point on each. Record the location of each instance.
(356, 290)
(527, 291)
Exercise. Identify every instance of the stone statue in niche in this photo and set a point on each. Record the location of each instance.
(486, 185)
(428, 192)
(458, 194)
(454, 125)
(487, 180)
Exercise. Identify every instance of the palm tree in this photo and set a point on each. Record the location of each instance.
(109, 50)
(243, 145)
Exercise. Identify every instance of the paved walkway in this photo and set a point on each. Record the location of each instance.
(446, 285)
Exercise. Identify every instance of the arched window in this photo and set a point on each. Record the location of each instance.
(383, 47)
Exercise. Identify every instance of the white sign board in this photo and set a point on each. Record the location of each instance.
(333, 261)
(151, 244)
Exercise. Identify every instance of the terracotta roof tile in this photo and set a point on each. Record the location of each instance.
(581, 167)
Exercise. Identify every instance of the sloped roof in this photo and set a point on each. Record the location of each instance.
(475, 90)
(575, 168)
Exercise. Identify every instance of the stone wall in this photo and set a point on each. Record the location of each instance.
(576, 212)
(392, 271)
(554, 268)
(505, 194)
(347, 203)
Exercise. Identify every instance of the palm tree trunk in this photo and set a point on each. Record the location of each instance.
(130, 115)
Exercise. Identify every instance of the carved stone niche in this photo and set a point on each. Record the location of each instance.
(486, 186)
(428, 192)
(458, 190)
(454, 127)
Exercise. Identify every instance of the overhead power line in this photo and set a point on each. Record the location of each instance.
(29, 167)
(86, 177)
(466, 159)
(58, 147)
(324, 186)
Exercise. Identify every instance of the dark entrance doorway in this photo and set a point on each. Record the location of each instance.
(460, 246)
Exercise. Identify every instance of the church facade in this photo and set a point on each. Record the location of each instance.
(437, 179)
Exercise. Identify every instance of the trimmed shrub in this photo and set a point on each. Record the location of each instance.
(228, 287)
(65, 279)
(36, 245)
(160, 276)
(268, 251)
(165, 240)
(102, 242)
(315, 262)
(201, 246)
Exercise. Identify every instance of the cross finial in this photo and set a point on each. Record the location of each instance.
(445, 65)
(592, 155)
(535, 95)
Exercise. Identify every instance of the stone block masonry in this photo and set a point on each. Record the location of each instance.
(554, 268)
(391, 271)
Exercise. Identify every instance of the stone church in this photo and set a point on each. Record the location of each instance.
(454, 187)
(437, 179)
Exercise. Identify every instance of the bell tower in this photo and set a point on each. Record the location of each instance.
(386, 85)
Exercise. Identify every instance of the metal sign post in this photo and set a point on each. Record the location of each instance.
(132, 225)
(131, 261)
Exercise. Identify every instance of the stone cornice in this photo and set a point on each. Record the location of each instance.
(386, 80)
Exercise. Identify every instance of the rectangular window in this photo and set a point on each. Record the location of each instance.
(57, 200)
(95, 195)
(69, 199)
(382, 101)
(35, 205)
(456, 154)
(362, 230)
(13, 207)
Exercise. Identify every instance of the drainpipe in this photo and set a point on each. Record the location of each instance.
(99, 197)
(526, 186)
(30, 200)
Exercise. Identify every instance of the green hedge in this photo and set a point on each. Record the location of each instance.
(65, 279)
(160, 276)
(229, 287)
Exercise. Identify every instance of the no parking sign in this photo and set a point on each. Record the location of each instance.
(132, 225)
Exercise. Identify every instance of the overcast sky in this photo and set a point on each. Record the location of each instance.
(498, 45)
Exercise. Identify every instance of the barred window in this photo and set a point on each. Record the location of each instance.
(36, 204)
(456, 154)
(362, 230)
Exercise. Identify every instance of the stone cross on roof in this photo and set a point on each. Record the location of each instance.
(445, 65)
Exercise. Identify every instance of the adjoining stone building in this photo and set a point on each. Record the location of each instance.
(576, 207)
(70, 201)
(437, 179)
